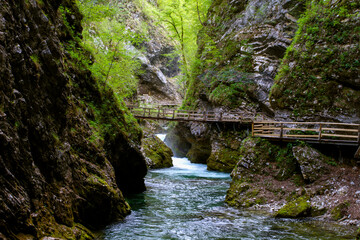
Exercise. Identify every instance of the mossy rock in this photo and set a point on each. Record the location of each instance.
(237, 189)
(199, 153)
(318, 211)
(223, 160)
(243, 194)
(339, 211)
(157, 153)
(298, 208)
(257, 155)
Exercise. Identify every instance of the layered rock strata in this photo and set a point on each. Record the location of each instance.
(67, 147)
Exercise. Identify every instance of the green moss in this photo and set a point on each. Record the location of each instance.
(36, 61)
(294, 209)
(237, 188)
(339, 211)
(358, 234)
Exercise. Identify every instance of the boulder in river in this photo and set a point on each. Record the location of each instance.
(157, 154)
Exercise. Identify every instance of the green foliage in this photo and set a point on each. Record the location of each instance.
(184, 20)
(227, 87)
(65, 12)
(107, 38)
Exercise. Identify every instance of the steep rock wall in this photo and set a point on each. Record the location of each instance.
(320, 74)
(241, 47)
(66, 145)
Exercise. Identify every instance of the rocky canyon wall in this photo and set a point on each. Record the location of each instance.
(68, 147)
(279, 60)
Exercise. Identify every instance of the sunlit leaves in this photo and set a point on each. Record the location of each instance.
(109, 40)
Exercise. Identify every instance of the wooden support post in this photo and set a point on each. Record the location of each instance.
(205, 113)
(320, 132)
(144, 112)
(281, 130)
(357, 154)
(173, 114)
(220, 116)
(158, 114)
(252, 129)
(189, 115)
(218, 127)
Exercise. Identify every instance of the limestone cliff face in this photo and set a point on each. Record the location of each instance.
(293, 61)
(243, 44)
(66, 146)
(241, 47)
(320, 74)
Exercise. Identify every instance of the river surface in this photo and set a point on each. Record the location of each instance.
(187, 202)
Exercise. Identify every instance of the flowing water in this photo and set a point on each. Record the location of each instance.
(187, 202)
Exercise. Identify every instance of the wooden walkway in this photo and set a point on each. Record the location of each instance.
(346, 134)
(189, 116)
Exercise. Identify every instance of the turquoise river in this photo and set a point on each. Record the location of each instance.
(187, 202)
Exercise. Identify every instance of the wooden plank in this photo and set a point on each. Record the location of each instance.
(267, 135)
(307, 123)
(340, 135)
(269, 128)
(303, 129)
(256, 131)
(301, 136)
(340, 130)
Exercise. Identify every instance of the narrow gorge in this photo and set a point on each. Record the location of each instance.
(76, 163)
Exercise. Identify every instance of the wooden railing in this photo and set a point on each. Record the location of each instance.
(346, 133)
(314, 132)
(189, 115)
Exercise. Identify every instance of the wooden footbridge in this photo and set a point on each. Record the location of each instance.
(346, 134)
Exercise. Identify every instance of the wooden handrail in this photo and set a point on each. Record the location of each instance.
(307, 123)
(324, 132)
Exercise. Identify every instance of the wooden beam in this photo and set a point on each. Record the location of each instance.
(357, 154)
